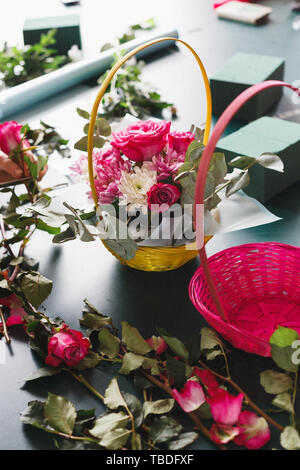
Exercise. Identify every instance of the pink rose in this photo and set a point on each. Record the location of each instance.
(10, 136)
(179, 141)
(142, 140)
(163, 195)
(68, 346)
(10, 139)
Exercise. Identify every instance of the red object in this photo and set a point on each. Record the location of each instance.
(218, 4)
(68, 346)
(161, 196)
(246, 292)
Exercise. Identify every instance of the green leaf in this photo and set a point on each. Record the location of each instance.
(164, 429)
(114, 440)
(109, 422)
(81, 144)
(210, 343)
(103, 127)
(135, 408)
(240, 180)
(290, 439)
(132, 362)
(275, 382)
(34, 414)
(282, 341)
(134, 341)
(60, 413)
(109, 344)
(241, 162)
(158, 407)
(175, 345)
(90, 361)
(64, 236)
(41, 225)
(284, 402)
(271, 161)
(113, 397)
(184, 439)
(43, 372)
(82, 113)
(92, 318)
(176, 371)
(17, 261)
(204, 411)
(32, 166)
(36, 287)
(126, 249)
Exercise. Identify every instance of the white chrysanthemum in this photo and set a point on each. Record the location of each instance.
(134, 186)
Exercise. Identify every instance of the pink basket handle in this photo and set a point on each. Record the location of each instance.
(219, 128)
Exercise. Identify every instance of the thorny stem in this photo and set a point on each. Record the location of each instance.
(5, 332)
(198, 423)
(246, 397)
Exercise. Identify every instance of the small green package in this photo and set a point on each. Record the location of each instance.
(266, 134)
(240, 72)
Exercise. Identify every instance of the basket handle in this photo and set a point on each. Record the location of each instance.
(107, 81)
(219, 128)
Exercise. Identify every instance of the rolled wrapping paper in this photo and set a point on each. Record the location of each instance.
(20, 97)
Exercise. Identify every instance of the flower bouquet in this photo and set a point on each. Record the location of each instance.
(144, 181)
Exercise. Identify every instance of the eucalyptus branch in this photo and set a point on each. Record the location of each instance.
(6, 245)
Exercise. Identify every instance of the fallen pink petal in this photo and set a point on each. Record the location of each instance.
(255, 431)
(221, 433)
(207, 378)
(225, 408)
(190, 397)
(16, 311)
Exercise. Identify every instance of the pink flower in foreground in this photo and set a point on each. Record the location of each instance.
(10, 137)
(168, 164)
(179, 141)
(68, 346)
(162, 195)
(108, 169)
(16, 311)
(221, 433)
(190, 397)
(158, 344)
(224, 407)
(207, 378)
(142, 140)
(254, 431)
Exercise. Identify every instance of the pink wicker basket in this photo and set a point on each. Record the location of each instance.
(246, 292)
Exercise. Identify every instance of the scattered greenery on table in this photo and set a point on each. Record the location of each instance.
(128, 93)
(19, 65)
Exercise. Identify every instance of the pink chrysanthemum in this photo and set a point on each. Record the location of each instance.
(108, 169)
(168, 164)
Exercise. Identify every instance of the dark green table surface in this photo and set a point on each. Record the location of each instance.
(145, 300)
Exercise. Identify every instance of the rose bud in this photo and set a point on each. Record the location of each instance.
(179, 141)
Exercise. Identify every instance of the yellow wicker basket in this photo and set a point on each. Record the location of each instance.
(149, 258)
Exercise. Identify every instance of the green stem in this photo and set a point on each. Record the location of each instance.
(84, 382)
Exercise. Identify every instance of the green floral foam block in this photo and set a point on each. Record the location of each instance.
(266, 134)
(240, 72)
(67, 31)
